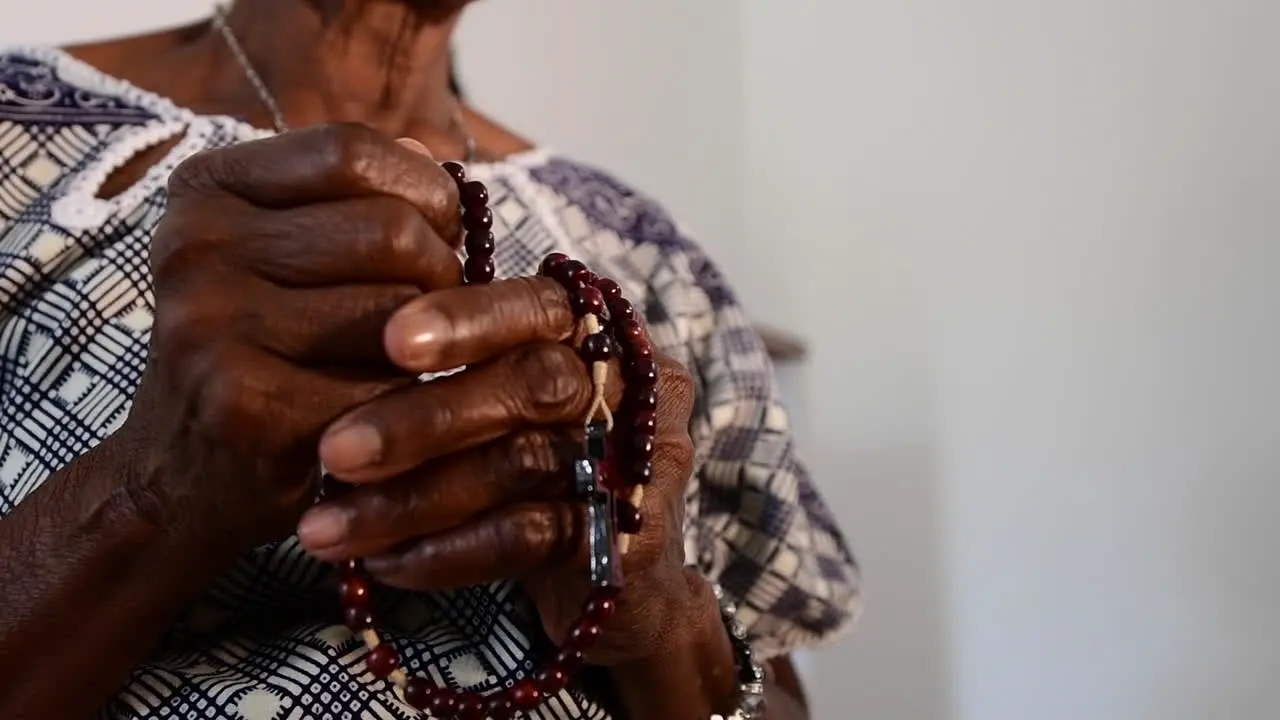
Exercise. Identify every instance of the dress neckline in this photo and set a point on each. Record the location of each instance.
(79, 208)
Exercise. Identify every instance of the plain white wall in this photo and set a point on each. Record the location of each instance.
(65, 21)
(1035, 248)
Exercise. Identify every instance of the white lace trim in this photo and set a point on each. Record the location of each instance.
(81, 209)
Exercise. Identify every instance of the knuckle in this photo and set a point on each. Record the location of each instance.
(551, 379)
(550, 301)
(532, 451)
(527, 533)
(224, 391)
(175, 257)
(191, 308)
(177, 326)
(522, 462)
(351, 150)
(404, 231)
(193, 239)
(185, 327)
(534, 534)
(145, 502)
(406, 242)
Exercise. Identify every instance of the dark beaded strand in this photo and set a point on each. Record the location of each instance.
(642, 381)
(477, 224)
(590, 295)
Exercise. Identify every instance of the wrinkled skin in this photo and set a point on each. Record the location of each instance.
(292, 278)
(301, 276)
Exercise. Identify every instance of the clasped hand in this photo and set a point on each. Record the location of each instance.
(302, 283)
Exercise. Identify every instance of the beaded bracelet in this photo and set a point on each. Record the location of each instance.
(751, 673)
(611, 491)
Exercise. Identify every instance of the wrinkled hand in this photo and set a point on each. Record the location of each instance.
(276, 266)
(465, 479)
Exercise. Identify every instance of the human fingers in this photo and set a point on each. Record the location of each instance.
(373, 518)
(541, 384)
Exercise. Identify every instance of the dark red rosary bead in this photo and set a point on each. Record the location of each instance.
(629, 518)
(611, 290)
(383, 660)
(443, 703)
(630, 331)
(622, 312)
(584, 635)
(645, 399)
(525, 694)
(471, 707)
(609, 469)
(642, 446)
(597, 347)
(586, 300)
(418, 692)
(357, 619)
(456, 171)
(642, 371)
(347, 568)
(478, 220)
(569, 659)
(600, 608)
(569, 273)
(645, 423)
(474, 195)
(480, 244)
(552, 679)
(641, 348)
(500, 707)
(641, 473)
(479, 270)
(551, 262)
(353, 591)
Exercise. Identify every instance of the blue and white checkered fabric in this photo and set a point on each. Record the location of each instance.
(76, 306)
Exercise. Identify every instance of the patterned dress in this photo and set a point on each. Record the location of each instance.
(76, 306)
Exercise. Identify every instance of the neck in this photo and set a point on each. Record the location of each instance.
(379, 62)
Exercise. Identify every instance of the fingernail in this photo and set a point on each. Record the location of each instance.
(414, 145)
(415, 338)
(350, 447)
(323, 527)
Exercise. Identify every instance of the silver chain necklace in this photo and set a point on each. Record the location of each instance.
(269, 100)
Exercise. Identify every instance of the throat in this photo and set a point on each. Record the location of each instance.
(375, 62)
(380, 67)
(387, 69)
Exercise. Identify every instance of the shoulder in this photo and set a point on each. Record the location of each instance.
(615, 217)
(611, 204)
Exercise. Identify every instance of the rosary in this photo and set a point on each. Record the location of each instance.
(609, 476)
(612, 495)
